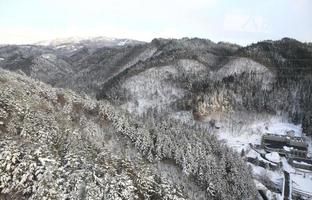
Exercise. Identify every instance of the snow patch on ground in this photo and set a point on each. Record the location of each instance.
(240, 142)
(275, 176)
(283, 128)
(48, 56)
(61, 47)
(286, 166)
(252, 154)
(287, 148)
(240, 129)
(274, 157)
(1, 59)
(302, 182)
(122, 43)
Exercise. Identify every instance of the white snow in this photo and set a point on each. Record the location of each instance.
(238, 135)
(61, 46)
(256, 170)
(266, 161)
(122, 43)
(301, 163)
(302, 182)
(241, 141)
(273, 195)
(286, 166)
(240, 65)
(74, 48)
(287, 148)
(76, 39)
(275, 176)
(259, 185)
(283, 128)
(274, 157)
(44, 160)
(48, 56)
(1, 59)
(280, 128)
(244, 128)
(252, 154)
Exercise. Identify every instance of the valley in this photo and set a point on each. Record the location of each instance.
(170, 119)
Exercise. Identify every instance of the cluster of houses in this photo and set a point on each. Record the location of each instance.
(295, 150)
(287, 145)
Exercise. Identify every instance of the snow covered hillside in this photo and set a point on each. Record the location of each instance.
(187, 114)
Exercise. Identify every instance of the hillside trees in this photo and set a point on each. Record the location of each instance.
(63, 148)
(199, 154)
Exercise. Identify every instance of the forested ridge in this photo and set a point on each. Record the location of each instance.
(142, 121)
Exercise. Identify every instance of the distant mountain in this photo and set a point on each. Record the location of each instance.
(187, 73)
(75, 43)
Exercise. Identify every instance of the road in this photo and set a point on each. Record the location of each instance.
(286, 190)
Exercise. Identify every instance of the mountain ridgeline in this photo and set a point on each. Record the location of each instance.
(273, 77)
(123, 119)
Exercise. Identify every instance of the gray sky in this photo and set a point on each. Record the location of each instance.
(237, 21)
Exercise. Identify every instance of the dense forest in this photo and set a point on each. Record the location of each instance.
(143, 121)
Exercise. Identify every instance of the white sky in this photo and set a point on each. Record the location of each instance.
(239, 21)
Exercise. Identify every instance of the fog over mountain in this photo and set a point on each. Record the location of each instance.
(106, 118)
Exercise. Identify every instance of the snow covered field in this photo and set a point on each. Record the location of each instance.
(252, 133)
(302, 182)
(273, 157)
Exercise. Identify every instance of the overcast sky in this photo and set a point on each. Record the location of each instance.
(238, 21)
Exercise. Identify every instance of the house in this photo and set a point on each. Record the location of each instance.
(287, 145)
(302, 163)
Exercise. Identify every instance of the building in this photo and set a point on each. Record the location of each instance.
(302, 163)
(287, 145)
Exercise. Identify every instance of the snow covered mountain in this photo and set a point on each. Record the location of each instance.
(178, 103)
(75, 43)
